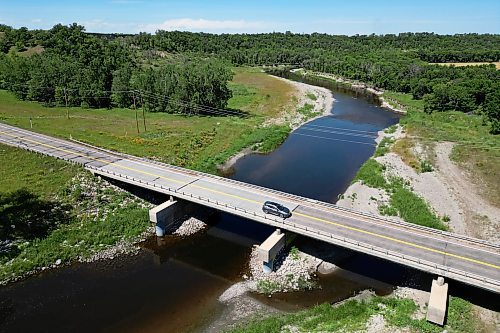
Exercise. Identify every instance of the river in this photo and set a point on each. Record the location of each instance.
(174, 286)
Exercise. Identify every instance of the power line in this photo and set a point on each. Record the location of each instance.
(344, 129)
(332, 139)
(337, 132)
(186, 104)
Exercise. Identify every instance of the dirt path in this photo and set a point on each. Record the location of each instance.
(481, 219)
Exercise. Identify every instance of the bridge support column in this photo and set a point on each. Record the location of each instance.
(162, 216)
(168, 213)
(268, 250)
(438, 302)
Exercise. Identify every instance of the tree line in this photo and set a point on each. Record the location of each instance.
(94, 70)
(79, 69)
(394, 62)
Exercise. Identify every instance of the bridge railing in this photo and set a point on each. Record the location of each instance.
(436, 268)
(300, 198)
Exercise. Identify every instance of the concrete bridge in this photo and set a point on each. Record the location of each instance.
(450, 255)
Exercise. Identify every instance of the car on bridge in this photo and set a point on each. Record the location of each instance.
(275, 208)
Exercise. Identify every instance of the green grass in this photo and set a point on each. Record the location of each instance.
(352, 316)
(77, 239)
(411, 207)
(43, 213)
(312, 96)
(181, 140)
(371, 174)
(383, 147)
(403, 202)
(307, 111)
(41, 174)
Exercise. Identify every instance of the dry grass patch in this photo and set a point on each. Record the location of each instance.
(404, 148)
(483, 166)
(32, 51)
(272, 95)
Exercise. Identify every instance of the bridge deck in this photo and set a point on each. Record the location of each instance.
(458, 257)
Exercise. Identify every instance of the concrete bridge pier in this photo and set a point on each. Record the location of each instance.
(162, 216)
(438, 302)
(168, 213)
(268, 250)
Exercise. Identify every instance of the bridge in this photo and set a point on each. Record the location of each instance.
(469, 260)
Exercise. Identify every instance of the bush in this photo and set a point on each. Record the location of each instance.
(426, 166)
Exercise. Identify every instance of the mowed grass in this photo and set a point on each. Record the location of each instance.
(476, 150)
(197, 142)
(464, 64)
(42, 175)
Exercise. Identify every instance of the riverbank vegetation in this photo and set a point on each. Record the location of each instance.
(393, 314)
(53, 213)
(403, 202)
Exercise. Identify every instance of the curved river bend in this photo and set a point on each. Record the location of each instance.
(174, 287)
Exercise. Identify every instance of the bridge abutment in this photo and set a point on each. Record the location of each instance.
(268, 250)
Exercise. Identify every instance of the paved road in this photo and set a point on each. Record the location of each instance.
(458, 257)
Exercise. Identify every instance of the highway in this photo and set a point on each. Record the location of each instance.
(454, 256)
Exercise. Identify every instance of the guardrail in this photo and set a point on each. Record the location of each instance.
(300, 198)
(365, 247)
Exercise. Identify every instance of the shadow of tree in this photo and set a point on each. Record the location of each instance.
(25, 216)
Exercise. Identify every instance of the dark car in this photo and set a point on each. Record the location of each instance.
(275, 208)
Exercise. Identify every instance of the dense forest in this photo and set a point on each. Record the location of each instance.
(99, 70)
(394, 62)
(79, 69)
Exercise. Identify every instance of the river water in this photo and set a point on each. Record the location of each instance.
(174, 286)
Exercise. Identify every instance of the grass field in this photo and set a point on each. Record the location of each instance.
(463, 64)
(195, 142)
(43, 175)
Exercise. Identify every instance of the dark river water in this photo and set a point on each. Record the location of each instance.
(173, 286)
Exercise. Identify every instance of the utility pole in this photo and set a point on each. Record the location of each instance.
(135, 108)
(66, 102)
(143, 113)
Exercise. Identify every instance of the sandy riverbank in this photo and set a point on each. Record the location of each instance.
(449, 192)
(322, 104)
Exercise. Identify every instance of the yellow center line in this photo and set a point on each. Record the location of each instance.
(397, 240)
(258, 202)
